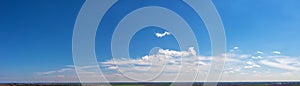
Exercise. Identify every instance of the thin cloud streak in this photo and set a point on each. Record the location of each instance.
(160, 35)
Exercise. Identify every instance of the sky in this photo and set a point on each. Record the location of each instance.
(262, 41)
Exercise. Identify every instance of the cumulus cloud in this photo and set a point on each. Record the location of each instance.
(164, 57)
(173, 53)
(165, 61)
(160, 35)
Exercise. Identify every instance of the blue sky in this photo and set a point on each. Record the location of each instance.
(36, 36)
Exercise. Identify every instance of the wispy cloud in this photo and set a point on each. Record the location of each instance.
(278, 65)
(169, 62)
(55, 71)
(276, 52)
(160, 35)
(284, 62)
(259, 52)
(251, 65)
(46, 73)
(235, 48)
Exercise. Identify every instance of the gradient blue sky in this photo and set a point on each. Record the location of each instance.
(36, 35)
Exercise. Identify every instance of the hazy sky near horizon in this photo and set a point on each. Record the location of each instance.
(262, 40)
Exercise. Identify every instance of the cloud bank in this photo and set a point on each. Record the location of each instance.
(168, 65)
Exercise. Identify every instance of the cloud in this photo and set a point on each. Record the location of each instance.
(244, 56)
(68, 74)
(279, 65)
(65, 69)
(164, 57)
(55, 71)
(251, 65)
(276, 52)
(173, 53)
(160, 35)
(112, 67)
(259, 52)
(170, 62)
(283, 62)
(46, 73)
(235, 48)
(256, 57)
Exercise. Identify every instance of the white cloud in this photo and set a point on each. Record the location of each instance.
(160, 35)
(281, 65)
(170, 61)
(68, 68)
(46, 73)
(235, 48)
(113, 67)
(251, 65)
(56, 71)
(276, 52)
(257, 57)
(65, 69)
(244, 56)
(173, 53)
(162, 57)
(238, 67)
(259, 52)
